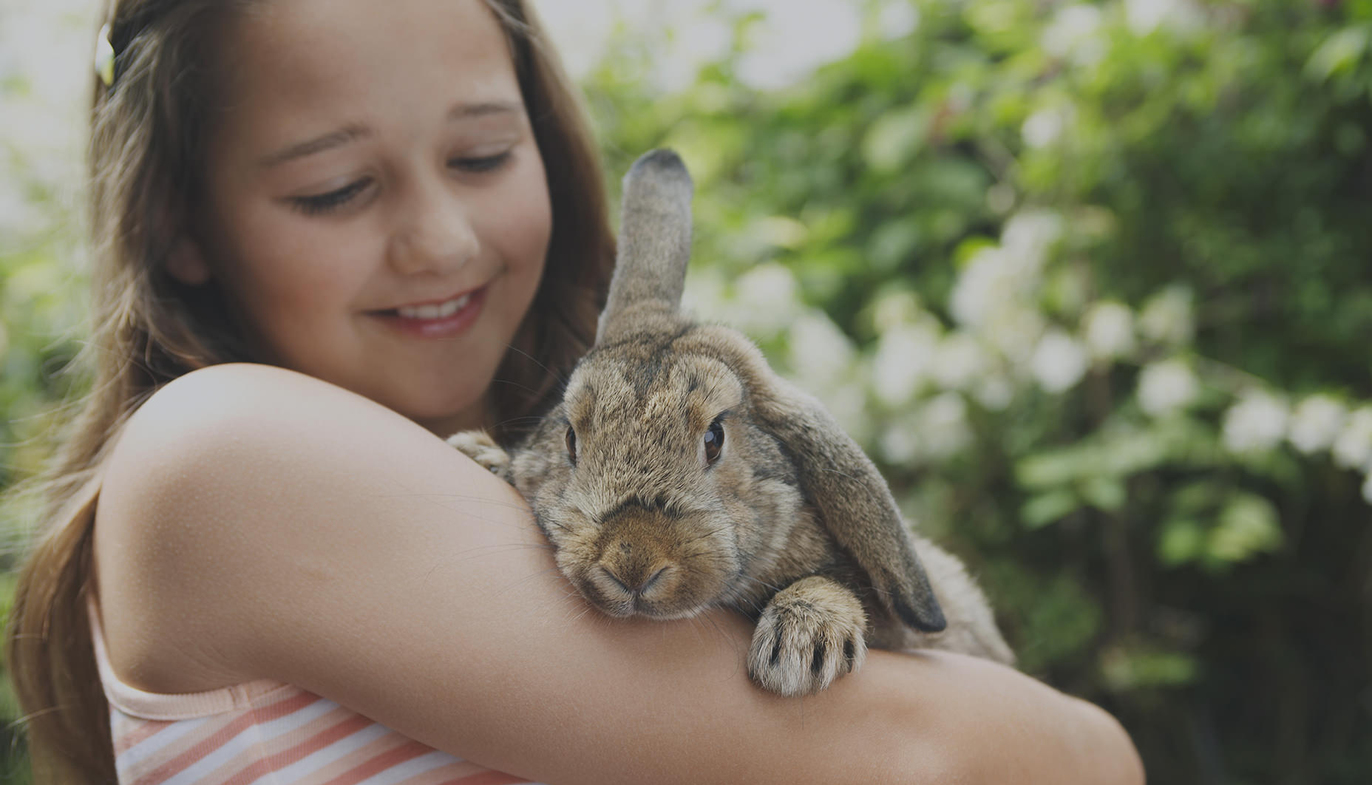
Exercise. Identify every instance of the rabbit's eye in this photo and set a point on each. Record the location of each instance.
(571, 444)
(714, 441)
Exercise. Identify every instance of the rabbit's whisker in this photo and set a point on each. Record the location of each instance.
(527, 578)
(559, 377)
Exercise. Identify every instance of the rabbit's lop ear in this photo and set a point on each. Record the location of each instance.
(855, 505)
(654, 236)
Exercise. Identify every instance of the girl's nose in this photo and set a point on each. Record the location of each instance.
(434, 236)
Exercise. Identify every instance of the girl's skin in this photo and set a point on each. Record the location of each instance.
(351, 176)
(304, 523)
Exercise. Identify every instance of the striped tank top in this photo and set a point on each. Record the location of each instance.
(263, 732)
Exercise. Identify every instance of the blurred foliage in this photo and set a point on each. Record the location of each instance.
(1090, 281)
(1154, 539)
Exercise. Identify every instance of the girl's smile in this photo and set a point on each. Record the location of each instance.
(375, 215)
(435, 319)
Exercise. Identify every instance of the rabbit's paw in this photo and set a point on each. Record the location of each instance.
(480, 447)
(809, 634)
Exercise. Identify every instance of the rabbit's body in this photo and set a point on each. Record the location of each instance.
(679, 472)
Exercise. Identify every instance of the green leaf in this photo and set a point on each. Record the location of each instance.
(893, 243)
(895, 138)
(1105, 493)
(1182, 540)
(1048, 508)
(1248, 525)
(1133, 668)
(1339, 52)
(1056, 467)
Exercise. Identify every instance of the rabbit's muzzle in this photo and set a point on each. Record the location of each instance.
(653, 562)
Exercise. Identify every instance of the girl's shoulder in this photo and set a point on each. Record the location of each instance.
(218, 491)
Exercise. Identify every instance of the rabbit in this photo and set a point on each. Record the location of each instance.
(679, 473)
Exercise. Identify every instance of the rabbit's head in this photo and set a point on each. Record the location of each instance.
(655, 488)
(672, 471)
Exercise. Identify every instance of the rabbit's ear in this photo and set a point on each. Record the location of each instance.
(853, 501)
(654, 236)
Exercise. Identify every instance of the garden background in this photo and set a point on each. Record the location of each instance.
(1092, 282)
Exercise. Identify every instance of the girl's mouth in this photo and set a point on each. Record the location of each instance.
(437, 320)
(439, 311)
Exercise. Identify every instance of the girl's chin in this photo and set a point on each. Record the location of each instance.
(446, 422)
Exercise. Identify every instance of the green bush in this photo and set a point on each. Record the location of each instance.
(1094, 289)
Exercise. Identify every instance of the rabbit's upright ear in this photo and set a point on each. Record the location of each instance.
(853, 501)
(654, 237)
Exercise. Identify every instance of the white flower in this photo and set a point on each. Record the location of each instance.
(1145, 16)
(1028, 235)
(1044, 127)
(821, 354)
(995, 392)
(1059, 362)
(1071, 26)
(789, 45)
(897, 308)
(900, 443)
(847, 401)
(704, 295)
(986, 284)
(958, 361)
(1353, 447)
(996, 279)
(1256, 423)
(19, 215)
(1166, 317)
(937, 430)
(1167, 386)
(1015, 333)
(898, 19)
(901, 364)
(1316, 423)
(1108, 328)
(767, 300)
(943, 426)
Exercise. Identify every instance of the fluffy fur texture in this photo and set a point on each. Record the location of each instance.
(679, 472)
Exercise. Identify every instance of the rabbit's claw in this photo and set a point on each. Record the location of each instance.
(809, 634)
(480, 447)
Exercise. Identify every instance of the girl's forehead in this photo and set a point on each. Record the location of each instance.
(291, 65)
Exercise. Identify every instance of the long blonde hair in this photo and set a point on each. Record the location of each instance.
(147, 138)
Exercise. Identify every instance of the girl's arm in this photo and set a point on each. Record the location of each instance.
(258, 523)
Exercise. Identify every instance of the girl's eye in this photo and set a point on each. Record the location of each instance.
(323, 203)
(488, 163)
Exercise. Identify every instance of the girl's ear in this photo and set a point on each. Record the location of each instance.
(187, 264)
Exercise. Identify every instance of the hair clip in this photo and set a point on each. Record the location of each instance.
(104, 56)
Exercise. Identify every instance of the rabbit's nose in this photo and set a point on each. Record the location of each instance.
(634, 580)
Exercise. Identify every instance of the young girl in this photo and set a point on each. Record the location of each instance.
(328, 233)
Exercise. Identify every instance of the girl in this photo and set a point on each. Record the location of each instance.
(329, 231)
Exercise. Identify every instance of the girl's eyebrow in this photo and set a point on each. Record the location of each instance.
(319, 144)
(353, 132)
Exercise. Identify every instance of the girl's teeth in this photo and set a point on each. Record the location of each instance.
(434, 311)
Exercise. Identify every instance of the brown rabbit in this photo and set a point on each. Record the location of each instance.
(679, 472)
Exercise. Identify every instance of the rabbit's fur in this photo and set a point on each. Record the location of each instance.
(788, 522)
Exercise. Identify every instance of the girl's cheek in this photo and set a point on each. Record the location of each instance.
(526, 230)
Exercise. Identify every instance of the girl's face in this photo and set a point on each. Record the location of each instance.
(376, 208)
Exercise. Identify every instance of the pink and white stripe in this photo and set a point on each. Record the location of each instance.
(264, 733)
